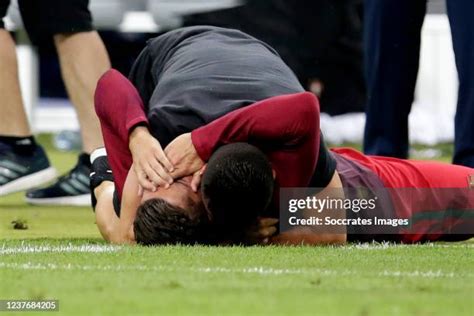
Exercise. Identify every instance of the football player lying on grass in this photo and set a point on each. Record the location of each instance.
(180, 98)
(286, 126)
(240, 180)
(182, 80)
(436, 199)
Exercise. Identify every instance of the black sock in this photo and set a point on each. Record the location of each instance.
(85, 159)
(20, 145)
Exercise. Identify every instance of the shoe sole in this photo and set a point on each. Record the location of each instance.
(28, 182)
(78, 200)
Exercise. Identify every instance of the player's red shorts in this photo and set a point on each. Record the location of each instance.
(437, 197)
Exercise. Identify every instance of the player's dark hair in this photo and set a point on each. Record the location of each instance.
(159, 222)
(237, 186)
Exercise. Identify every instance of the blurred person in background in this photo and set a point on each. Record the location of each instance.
(83, 59)
(392, 43)
(321, 41)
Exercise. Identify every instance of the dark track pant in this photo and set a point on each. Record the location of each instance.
(392, 48)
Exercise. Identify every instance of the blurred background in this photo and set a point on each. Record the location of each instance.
(321, 40)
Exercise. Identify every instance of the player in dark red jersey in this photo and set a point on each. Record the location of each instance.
(285, 128)
(437, 199)
(182, 80)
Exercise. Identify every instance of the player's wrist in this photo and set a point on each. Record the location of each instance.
(137, 135)
(99, 152)
(101, 174)
(138, 131)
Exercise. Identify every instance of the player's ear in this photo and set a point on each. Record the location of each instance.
(274, 174)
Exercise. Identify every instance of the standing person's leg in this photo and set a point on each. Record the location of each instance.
(392, 49)
(23, 164)
(462, 28)
(13, 120)
(83, 60)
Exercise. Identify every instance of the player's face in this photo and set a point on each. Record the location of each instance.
(177, 194)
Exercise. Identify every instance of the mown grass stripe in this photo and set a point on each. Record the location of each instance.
(245, 270)
(58, 249)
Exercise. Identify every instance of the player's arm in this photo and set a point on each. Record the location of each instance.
(131, 200)
(317, 235)
(280, 124)
(263, 232)
(105, 216)
(276, 122)
(114, 229)
(122, 114)
(118, 100)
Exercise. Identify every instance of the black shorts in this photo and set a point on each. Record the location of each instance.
(44, 18)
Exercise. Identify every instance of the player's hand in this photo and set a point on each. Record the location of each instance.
(261, 231)
(150, 162)
(184, 157)
(197, 176)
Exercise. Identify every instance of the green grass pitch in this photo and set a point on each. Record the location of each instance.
(61, 256)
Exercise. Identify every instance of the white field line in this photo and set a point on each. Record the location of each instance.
(265, 271)
(26, 248)
(387, 245)
(58, 249)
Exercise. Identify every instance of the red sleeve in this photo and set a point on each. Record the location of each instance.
(285, 127)
(119, 108)
(124, 107)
